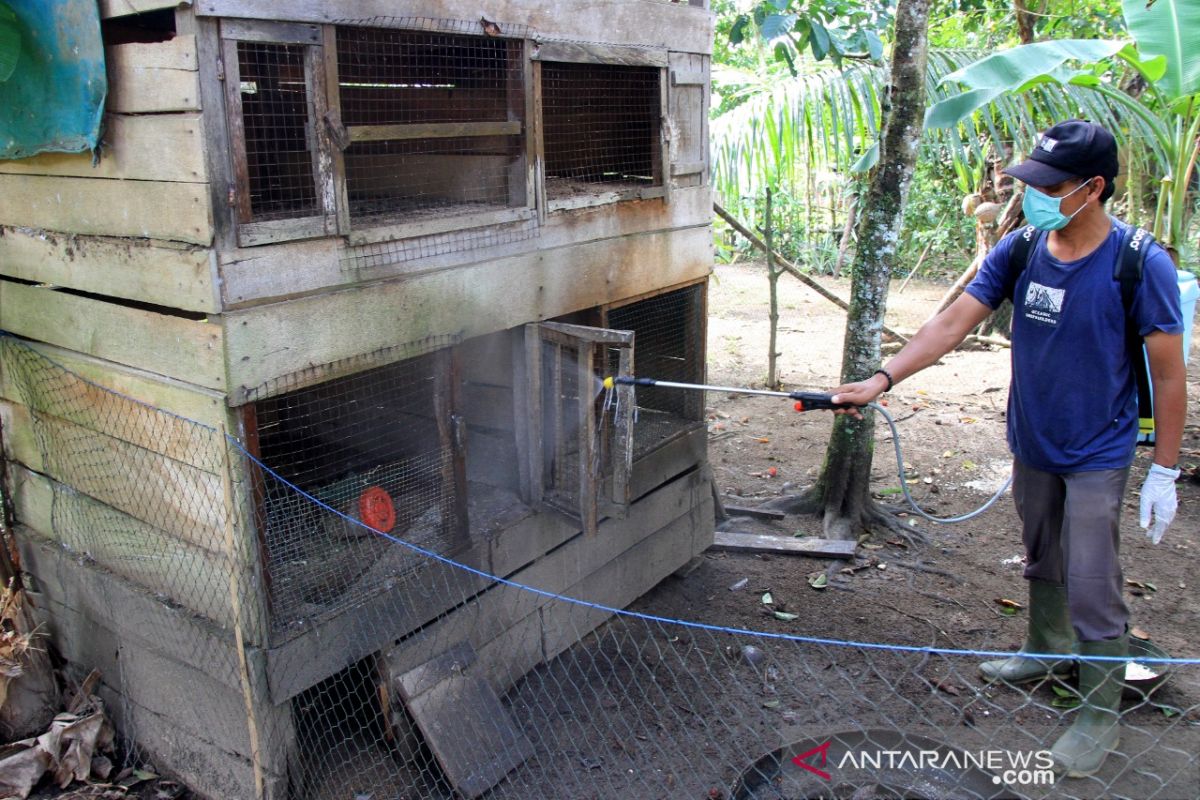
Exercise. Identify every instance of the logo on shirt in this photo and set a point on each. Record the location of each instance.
(1043, 303)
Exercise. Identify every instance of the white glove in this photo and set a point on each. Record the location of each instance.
(1159, 499)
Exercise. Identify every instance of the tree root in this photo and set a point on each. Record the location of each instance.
(875, 517)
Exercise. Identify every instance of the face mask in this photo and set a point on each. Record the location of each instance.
(1044, 212)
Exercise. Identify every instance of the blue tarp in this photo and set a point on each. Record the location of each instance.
(54, 99)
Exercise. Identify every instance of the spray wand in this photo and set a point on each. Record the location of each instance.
(813, 401)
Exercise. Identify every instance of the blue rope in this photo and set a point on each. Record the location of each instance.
(791, 637)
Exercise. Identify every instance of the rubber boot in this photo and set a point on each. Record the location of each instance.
(1096, 730)
(1050, 631)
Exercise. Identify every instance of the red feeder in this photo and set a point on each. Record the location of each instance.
(376, 509)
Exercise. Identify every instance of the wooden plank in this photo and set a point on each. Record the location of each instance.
(432, 130)
(451, 703)
(444, 224)
(161, 273)
(121, 8)
(674, 25)
(682, 453)
(622, 580)
(188, 402)
(333, 121)
(51, 390)
(153, 77)
(503, 607)
(604, 197)
(585, 425)
(278, 32)
(254, 234)
(268, 342)
(254, 275)
(755, 513)
(135, 613)
(589, 53)
(159, 147)
(812, 546)
(294, 666)
(147, 209)
(193, 576)
(190, 350)
(169, 495)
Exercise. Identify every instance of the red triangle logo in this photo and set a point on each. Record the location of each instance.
(801, 760)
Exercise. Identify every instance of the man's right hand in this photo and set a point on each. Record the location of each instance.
(859, 394)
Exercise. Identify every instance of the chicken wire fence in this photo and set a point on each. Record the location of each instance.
(443, 677)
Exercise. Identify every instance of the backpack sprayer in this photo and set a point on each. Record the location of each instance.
(813, 401)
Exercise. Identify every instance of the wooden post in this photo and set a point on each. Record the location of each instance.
(773, 280)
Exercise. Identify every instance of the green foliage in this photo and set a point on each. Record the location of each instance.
(833, 29)
(1159, 123)
(10, 41)
(933, 219)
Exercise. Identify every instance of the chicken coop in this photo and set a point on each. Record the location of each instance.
(307, 352)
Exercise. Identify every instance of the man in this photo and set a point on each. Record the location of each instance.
(1072, 416)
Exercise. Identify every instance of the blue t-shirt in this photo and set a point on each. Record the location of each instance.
(1072, 404)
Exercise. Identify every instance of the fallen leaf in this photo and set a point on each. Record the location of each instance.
(786, 616)
(967, 420)
(767, 600)
(1168, 711)
(818, 581)
(1065, 702)
(742, 584)
(762, 439)
(770, 704)
(968, 465)
(772, 472)
(1138, 633)
(947, 687)
(1004, 601)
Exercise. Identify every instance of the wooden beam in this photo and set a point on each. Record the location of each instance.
(589, 53)
(186, 401)
(755, 513)
(150, 271)
(268, 342)
(667, 25)
(812, 546)
(122, 8)
(433, 130)
(155, 147)
(252, 275)
(153, 77)
(147, 209)
(190, 350)
(446, 223)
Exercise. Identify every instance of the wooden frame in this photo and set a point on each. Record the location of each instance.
(547, 429)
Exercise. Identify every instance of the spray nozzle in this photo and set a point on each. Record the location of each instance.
(609, 383)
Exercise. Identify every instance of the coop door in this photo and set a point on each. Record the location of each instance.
(689, 119)
(581, 437)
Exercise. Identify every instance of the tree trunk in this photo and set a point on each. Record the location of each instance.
(1025, 21)
(843, 487)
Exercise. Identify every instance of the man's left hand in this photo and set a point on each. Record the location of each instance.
(1158, 500)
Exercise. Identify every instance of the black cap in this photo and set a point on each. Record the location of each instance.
(1072, 149)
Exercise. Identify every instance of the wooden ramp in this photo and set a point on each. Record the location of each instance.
(452, 707)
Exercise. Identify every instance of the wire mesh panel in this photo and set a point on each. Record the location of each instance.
(275, 117)
(670, 347)
(601, 126)
(381, 448)
(435, 123)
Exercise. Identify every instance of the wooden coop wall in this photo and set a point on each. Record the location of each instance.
(144, 274)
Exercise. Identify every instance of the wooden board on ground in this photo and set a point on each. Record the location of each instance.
(813, 546)
(451, 703)
(756, 513)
